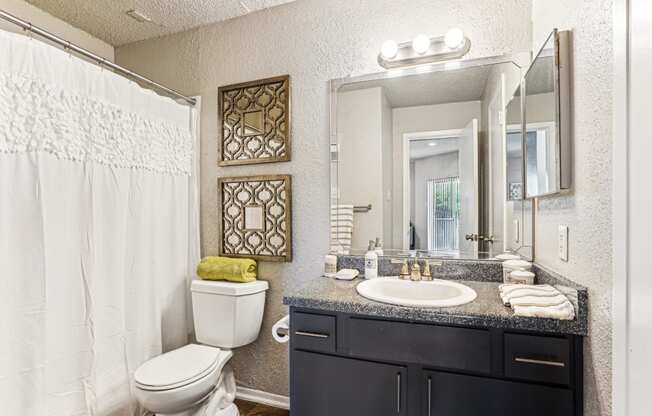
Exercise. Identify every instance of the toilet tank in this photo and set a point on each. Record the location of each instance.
(226, 314)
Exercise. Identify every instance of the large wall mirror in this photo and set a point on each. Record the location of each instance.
(547, 111)
(420, 159)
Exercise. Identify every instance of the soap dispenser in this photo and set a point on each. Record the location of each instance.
(371, 262)
(379, 246)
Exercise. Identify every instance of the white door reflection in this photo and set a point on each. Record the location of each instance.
(441, 189)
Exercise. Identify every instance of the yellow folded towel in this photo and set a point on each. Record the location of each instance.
(226, 268)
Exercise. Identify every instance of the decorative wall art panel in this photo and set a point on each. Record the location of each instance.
(254, 122)
(256, 217)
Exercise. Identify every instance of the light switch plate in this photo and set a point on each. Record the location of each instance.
(562, 242)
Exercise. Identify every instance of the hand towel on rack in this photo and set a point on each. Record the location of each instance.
(341, 228)
(342, 222)
(342, 217)
(540, 301)
(341, 235)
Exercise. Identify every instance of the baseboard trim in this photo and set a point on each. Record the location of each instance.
(262, 397)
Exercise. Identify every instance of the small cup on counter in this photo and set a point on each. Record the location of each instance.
(521, 277)
(511, 266)
(330, 265)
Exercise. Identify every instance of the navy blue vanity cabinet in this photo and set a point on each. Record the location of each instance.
(324, 385)
(461, 395)
(352, 365)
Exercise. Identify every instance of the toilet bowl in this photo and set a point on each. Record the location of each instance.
(195, 379)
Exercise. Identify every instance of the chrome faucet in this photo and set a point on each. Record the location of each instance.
(414, 272)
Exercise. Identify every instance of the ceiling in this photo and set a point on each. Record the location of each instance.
(540, 79)
(107, 20)
(432, 147)
(432, 88)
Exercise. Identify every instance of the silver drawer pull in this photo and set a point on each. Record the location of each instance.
(398, 393)
(311, 334)
(429, 396)
(540, 362)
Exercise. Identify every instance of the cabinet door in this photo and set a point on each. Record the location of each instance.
(323, 385)
(460, 395)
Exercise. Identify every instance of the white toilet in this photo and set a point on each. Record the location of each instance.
(194, 379)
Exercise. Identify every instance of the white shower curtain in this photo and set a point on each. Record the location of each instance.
(98, 231)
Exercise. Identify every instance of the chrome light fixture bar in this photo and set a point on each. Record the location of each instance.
(424, 50)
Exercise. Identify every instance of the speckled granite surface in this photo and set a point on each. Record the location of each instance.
(486, 310)
(480, 270)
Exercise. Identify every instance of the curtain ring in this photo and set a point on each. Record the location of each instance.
(69, 49)
(30, 33)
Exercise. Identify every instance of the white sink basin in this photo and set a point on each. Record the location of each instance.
(424, 294)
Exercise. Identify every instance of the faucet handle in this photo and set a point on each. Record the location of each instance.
(416, 271)
(426, 275)
(405, 270)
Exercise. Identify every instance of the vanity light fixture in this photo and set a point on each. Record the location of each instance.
(454, 38)
(389, 49)
(421, 44)
(424, 50)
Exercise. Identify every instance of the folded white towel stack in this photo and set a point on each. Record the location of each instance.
(341, 228)
(539, 301)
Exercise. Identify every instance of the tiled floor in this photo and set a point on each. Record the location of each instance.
(255, 409)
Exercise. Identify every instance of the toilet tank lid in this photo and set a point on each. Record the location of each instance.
(221, 287)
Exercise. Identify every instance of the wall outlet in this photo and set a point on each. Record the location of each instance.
(562, 242)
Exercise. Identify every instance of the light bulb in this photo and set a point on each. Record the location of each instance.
(454, 38)
(421, 44)
(389, 49)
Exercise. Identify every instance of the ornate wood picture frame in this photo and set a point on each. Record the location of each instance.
(254, 122)
(255, 217)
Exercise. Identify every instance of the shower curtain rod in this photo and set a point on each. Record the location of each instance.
(27, 26)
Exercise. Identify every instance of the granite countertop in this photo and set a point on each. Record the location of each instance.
(487, 310)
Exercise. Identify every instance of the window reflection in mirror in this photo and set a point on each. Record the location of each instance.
(427, 152)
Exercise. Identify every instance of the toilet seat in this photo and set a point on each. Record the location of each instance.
(178, 368)
(181, 379)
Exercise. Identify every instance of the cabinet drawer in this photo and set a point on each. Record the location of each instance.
(438, 346)
(455, 394)
(537, 358)
(313, 332)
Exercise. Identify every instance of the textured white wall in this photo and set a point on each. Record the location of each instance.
(388, 170)
(360, 131)
(38, 17)
(587, 209)
(314, 41)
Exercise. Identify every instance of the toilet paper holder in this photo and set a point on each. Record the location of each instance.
(281, 330)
